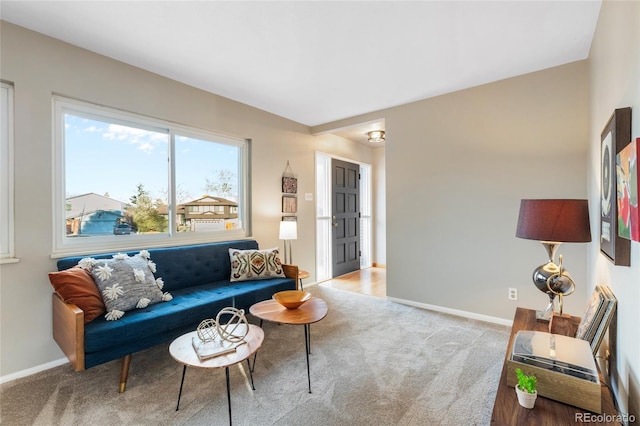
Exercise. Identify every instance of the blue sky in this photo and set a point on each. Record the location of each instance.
(113, 159)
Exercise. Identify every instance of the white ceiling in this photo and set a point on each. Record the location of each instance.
(317, 62)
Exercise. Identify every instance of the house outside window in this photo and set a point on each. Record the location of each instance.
(209, 213)
(125, 180)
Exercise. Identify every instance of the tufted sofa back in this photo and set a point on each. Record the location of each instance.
(183, 266)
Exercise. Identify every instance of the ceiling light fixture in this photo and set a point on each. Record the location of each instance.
(376, 136)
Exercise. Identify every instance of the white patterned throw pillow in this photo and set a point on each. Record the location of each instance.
(126, 282)
(255, 264)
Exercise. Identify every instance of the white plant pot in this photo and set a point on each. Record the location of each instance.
(527, 400)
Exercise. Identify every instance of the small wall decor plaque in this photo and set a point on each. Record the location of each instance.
(289, 185)
(289, 204)
(289, 181)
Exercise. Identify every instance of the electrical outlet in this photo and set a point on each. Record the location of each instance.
(513, 294)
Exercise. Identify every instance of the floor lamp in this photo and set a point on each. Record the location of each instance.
(288, 232)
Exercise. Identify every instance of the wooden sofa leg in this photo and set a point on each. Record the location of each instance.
(124, 373)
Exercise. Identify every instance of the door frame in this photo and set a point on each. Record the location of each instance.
(323, 212)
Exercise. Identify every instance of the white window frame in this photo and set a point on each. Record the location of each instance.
(323, 217)
(366, 220)
(63, 246)
(7, 242)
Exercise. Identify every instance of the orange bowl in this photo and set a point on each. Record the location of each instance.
(291, 299)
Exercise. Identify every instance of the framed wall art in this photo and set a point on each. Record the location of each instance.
(627, 194)
(615, 136)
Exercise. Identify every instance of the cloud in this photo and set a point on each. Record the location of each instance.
(146, 146)
(93, 129)
(146, 140)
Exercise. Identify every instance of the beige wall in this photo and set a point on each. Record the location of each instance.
(40, 66)
(614, 64)
(457, 167)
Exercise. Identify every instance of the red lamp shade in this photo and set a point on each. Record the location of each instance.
(563, 221)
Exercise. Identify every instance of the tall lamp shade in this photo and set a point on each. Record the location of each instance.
(552, 222)
(288, 232)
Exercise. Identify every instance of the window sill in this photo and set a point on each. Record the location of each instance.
(9, 260)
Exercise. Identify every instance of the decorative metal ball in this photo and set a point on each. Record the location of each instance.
(542, 274)
(208, 330)
(236, 327)
(561, 284)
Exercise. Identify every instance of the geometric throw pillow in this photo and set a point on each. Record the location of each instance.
(126, 282)
(76, 286)
(255, 264)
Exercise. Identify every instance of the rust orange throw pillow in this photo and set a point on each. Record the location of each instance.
(76, 286)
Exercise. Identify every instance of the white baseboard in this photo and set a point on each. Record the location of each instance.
(471, 315)
(33, 370)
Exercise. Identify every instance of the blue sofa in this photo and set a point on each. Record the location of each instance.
(198, 278)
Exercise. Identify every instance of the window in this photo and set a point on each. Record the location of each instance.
(365, 216)
(323, 217)
(6, 174)
(161, 179)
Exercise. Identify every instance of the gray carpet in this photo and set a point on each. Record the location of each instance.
(373, 362)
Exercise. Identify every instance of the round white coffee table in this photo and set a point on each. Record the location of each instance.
(183, 352)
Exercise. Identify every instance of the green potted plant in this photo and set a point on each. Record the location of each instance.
(526, 389)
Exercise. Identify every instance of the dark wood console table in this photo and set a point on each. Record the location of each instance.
(507, 411)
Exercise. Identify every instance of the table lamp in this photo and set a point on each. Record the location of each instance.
(553, 222)
(288, 232)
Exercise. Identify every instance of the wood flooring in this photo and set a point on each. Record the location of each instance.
(371, 281)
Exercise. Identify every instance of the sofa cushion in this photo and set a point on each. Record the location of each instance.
(255, 264)
(125, 282)
(76, 286)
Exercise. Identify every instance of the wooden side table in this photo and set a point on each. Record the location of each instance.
(311, 311)
(301, 276)
(507, 411)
